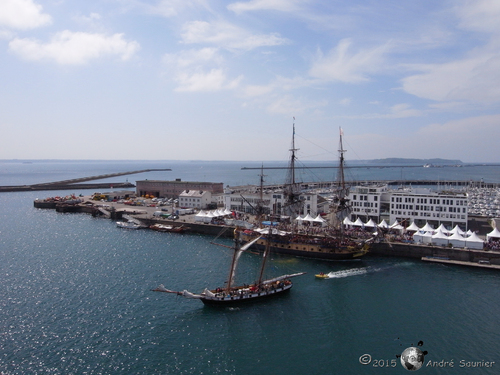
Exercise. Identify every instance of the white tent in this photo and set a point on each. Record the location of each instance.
(319, 219)
(413, 227)
(383, 224)
(200, 216)
(457, 230)
(427, 227)
(495, 233)
(396, 226)
(370, 224)
(358, 223)
(347, 221)
(305, 218)
(422, 237)
(439, 238)
(474, 242)
(456, 240)
(443, 229)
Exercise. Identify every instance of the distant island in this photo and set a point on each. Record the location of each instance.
(403, 161)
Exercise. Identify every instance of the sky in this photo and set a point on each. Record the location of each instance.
(226, 80)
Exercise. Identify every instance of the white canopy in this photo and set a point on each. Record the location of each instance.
(457, 230)
(383, 224)
(423, 237)
(306, 218)
(396, 223)
(347, 221)
(439, 238)
(456, 240)
(442, 229)
(474, 242)
(370, 224)
(495, 233)
(319, 219)
(358, 222)
(413, 227)
(396, 226)
(200, 216)
(427, 227)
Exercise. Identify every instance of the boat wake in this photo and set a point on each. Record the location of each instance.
(361, 271)
(347, 273)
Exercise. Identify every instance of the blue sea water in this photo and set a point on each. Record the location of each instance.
(75, 297)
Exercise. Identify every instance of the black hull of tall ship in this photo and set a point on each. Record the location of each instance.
(243, 298)
(315, 251)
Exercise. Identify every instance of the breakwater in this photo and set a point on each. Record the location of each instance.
(79, 183)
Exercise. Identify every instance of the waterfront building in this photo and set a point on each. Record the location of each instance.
(199, 199)
(407, 205)
(172, 189)
(272, 202)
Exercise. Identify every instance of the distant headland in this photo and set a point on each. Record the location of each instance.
(435, 161)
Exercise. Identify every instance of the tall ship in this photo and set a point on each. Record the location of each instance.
(331, 244)
(233, 295)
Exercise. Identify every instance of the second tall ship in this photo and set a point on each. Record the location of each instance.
(333, 244)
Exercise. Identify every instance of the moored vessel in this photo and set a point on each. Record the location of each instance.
(332, 244)
(167, 228)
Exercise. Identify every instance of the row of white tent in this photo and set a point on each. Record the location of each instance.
(309, 218)
(427, 234)
(207, 216)
(456, 239)
(495, 233)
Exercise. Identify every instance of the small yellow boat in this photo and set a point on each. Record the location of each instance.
(321, 275)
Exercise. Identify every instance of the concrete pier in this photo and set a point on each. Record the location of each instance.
(77, 183)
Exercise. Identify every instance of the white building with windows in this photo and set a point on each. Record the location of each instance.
(407, 205)
(273, 202)
(199, 199)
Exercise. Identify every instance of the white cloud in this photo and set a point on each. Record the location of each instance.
(474, 79)
(255, 5)
(470, 140)
(199, 70)
(288, 105)
(345, 102)
(172, 8)
(194, 57)
(214, 80)
(74, 48)
(22, 14)
(479, 15)
(343, 65)
(226, 35)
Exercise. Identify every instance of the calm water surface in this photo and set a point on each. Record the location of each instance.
(76, 299)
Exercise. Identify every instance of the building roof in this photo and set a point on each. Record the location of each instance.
(193, 193)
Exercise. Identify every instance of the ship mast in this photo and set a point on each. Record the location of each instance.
(341, 178)
(291, 191)
(342, 208)
(265, 255)
(234, 261)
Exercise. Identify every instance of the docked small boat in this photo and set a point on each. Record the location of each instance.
(167, 228)
(127, 225)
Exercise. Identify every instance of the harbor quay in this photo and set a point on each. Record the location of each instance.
(148, 214)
